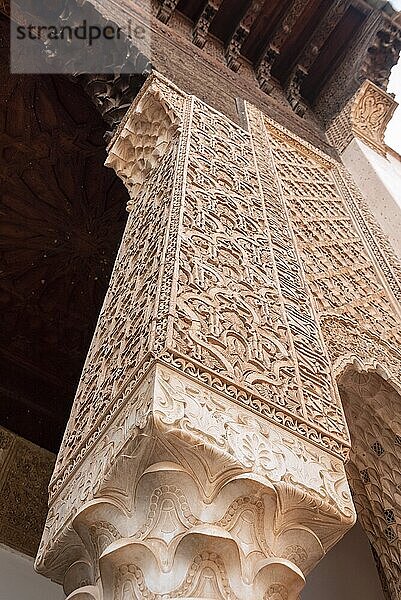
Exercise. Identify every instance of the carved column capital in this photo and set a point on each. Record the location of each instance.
(371, 112)
(195, 497)
(365, 116)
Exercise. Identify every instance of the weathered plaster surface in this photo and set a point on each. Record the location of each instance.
(379, 178)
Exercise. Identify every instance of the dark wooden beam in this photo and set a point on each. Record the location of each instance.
(263, 28)
(204, 21)
(311, 51)
(382, 54)
(166, 9)
(280, 37)
(241, 33)
(339, 44)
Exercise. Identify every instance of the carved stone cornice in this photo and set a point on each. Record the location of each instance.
(376, 54)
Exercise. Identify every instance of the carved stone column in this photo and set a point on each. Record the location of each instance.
(204, 456)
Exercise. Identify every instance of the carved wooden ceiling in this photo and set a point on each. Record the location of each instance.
(295, 43)
(308, 48)
(62, 214)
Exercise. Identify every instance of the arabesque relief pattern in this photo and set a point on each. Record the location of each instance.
(23, 507)
(321, 400)
(204, 457)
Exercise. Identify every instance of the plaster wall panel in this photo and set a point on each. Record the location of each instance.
(347, 572)
(379, 178)
(18, 580)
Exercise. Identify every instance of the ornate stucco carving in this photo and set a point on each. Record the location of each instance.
(207, 432)
(196, 306)
(372, 407)
(355, 279)
(187, 492)
(366, 117)
(370, 114)
(207, 407)
(144, 136)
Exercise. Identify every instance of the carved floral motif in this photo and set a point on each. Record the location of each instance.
(181, 469)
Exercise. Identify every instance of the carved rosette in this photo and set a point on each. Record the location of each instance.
(204, 453)
(366, 117)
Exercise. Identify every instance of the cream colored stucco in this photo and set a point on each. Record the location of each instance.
(18, 580)
(379, 178)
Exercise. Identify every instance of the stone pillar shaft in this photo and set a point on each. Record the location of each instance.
(204, 453)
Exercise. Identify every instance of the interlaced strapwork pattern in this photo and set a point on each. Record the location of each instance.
(229, 316)
(355, 283)
(336, 263)
(357, 310)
